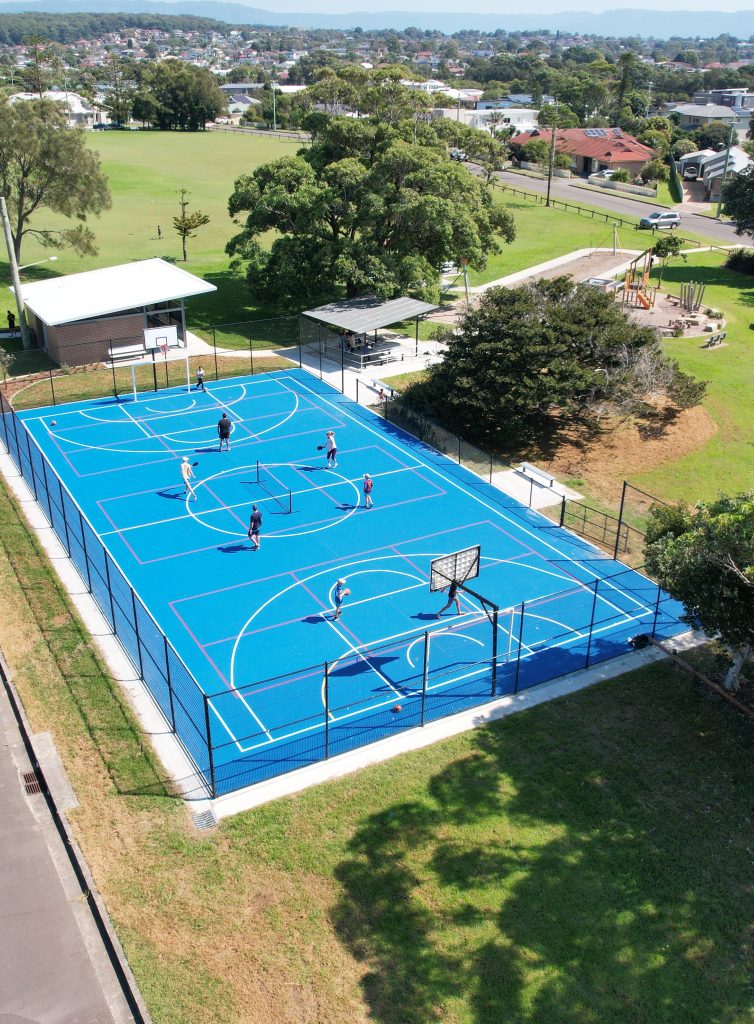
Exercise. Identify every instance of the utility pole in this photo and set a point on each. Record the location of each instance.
(550, 164)
(274, 109)
(725, 171)
(22, 325)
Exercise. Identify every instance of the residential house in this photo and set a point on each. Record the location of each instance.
(79, 111)
(593, 149)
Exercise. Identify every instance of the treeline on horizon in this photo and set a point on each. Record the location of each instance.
(16, 28)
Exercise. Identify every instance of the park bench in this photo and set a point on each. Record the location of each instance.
(716, 339)
(539, 476)
(126, 351)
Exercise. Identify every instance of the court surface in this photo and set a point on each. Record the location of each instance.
(256, 627)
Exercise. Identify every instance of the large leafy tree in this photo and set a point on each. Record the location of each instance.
(738, 201)
(364, 208)
(704, 558)
(524, 357)
(186, 97)
(46, 165)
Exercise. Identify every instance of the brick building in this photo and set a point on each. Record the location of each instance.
(84, 318)
(593, 149)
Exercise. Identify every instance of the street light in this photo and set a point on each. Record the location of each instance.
(15, 274)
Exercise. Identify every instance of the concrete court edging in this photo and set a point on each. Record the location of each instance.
(443, 728)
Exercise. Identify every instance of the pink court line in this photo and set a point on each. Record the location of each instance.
(201, 647)
(317, 565)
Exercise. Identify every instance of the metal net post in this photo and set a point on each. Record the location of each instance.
(591, 624)
(327, 710)
(210, 757)
(425, 674)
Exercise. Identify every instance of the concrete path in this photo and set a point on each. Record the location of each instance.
(54, 968)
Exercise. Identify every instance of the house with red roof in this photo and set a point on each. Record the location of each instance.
(593, 149)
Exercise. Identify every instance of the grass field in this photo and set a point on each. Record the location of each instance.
(726, 462)
(584, 862)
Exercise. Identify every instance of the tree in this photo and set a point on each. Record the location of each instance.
(654, 170)
(536, 151)
(120, 96)
(145, 107)
(364, 208)
(186, 96)
(46, 165)
(558, 114)
(665, 249)
(187, 224)
(711, 136)
(738, 200)
(704, 558)
(525, 357)
(627, 64)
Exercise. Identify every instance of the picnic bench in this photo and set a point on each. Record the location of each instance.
(539, 476)
(716, 339)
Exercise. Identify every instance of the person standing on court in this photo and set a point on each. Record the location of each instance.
(368, 482)
(223, 431)
(332, 450)
(452, 597)
(11, 321)
(339, 596)
(187, 474)
(255, 527)
(200, 380)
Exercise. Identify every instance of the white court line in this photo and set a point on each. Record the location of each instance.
(436, 686)
(449, 480)
(141, 427)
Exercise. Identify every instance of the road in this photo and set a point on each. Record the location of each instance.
(691, 223)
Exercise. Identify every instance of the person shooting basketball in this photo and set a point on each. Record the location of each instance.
(452, 597)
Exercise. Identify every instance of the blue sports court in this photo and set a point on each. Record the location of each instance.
(254, 630)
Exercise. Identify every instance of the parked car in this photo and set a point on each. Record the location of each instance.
(606, 173)
(457, 154)
(660, 219)
(691, 173)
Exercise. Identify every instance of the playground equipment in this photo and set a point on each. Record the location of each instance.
(637, 291)
(692, 295)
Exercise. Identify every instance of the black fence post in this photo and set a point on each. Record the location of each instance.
(342, 369)
(327, 710)
(110, 590)
(459, 451)
(31, 465)
(211, 760)
(214, 352)
(14, 420)
(657, 611)
(52, 387)
(136, 631)
(65, 519)
(251, 351)
(562, 509)
(425, 673)
(47, 488)
(620, 521)
(494, 652)
(591, 623)
(86, 553)
(115, 383)
(169, 678)
(520, 646)
(3, 407)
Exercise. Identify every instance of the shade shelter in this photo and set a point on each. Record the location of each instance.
(93, 316)
(346, 331)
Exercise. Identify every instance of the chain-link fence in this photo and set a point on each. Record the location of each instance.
(420, 678)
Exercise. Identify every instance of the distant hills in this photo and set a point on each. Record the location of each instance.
(657, 24)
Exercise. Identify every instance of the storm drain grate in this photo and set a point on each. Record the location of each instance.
(205, 820)
(32, 783)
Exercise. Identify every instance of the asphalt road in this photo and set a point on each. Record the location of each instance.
(691, 223)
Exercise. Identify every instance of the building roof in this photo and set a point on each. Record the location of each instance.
(610, 145)
(63, 300)
(715, 111)
(367, 313)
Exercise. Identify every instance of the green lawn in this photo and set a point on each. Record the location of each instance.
(663, 197)
(543, 234)
(145, 170)
(584, 862)
(726, 462)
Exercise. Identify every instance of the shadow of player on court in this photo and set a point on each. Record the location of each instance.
(169, 493)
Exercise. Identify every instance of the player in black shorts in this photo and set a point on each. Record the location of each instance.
(452, 597)
(223, 432)
(255, 527)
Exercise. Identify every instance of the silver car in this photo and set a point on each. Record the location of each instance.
(665, 219)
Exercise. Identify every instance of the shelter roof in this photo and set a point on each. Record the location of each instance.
(63, 300)
(368, 313)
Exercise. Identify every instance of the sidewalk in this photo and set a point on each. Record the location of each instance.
(54, 966)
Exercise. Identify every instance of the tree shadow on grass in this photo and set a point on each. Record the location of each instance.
(577, 865)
